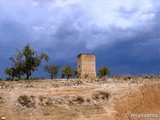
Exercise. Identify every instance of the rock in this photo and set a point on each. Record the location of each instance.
(3, 118)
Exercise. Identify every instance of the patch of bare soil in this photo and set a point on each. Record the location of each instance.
(139, 103)
(111, 99)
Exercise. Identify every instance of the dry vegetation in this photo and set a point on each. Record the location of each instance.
(85, 99)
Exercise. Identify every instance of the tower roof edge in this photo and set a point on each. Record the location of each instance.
(85, 54)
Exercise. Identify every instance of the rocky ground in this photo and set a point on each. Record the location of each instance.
(110, 99)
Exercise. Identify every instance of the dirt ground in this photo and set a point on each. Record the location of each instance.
(110, 99)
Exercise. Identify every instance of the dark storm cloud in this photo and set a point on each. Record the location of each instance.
(137, 55)
(124, 36)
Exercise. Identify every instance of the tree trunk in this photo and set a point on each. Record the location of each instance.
(28, 75)
(12, 78)
(52, 77)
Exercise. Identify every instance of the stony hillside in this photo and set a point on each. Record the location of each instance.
(111, 99)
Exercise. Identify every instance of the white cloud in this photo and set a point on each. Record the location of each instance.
(62, 3)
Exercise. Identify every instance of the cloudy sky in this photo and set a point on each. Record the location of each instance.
(124, 34)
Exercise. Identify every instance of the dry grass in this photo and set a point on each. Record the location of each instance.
(101, 95)
(77, 100)
(26, 101)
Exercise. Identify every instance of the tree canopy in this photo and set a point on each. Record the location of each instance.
(103, 71)
(25, 62)
(69, 72)
(52, 70)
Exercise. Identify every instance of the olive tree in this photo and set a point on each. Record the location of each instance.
(25, 62)
(103, 71)
(16, 69)
(69, 72)
(52, 70)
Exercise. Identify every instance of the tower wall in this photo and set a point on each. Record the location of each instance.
(86, 65)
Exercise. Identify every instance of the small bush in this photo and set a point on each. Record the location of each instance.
(88, 100)
(80, 99)
(104, 95)
(26, 101)
(2, 100)
(8, 79)
(150, 77)
(48, 102)
(78, 82)
(35, 78)
(42, 78)
(46, 114)
(127, 77)
(41, 98)
(95, 96)
(101, 95)
(124, 77)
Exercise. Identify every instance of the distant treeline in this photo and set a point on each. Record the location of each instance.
(27, 61)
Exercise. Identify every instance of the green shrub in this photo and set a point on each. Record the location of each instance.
(149, 76)
(36, 78)
(25, 62)
(52, 70)
(69, 72)
(103, 71)
(42, 78)
(128, 77)
(124, 77)
(8, 79)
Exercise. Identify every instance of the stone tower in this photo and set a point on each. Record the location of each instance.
(86, 65)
